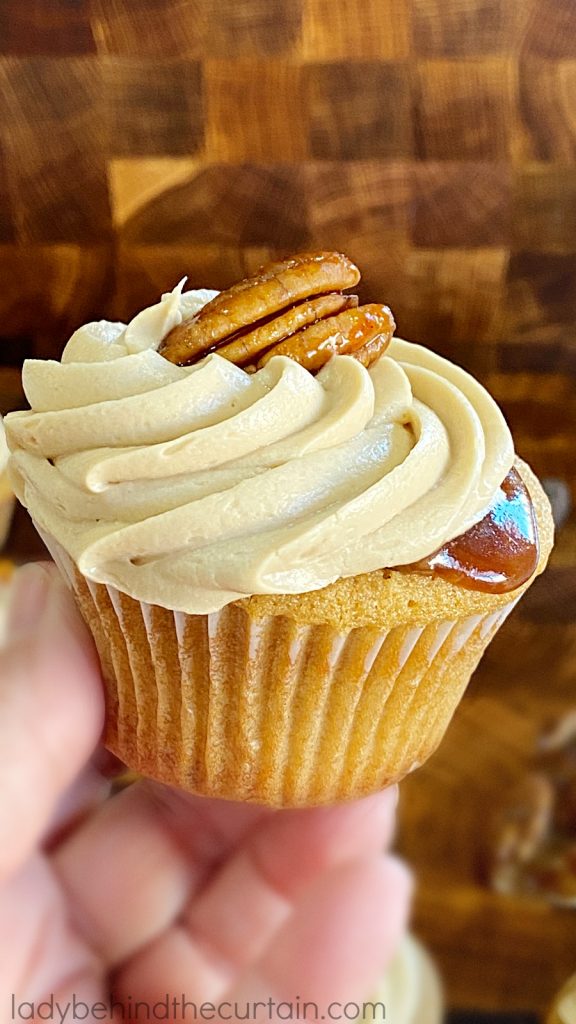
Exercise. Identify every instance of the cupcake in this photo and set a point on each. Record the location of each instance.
(291, 535)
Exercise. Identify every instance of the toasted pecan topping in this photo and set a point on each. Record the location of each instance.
(345, 334)
(281, 328)
(293, 307)
(372, 350)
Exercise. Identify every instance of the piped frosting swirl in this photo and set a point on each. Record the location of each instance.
(191, 487)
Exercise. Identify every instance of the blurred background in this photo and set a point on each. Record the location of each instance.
(434, 141)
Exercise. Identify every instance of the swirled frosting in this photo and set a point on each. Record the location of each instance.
(190, 487)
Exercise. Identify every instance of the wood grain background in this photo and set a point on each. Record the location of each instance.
(435, 142)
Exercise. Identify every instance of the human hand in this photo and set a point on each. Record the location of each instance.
(155, 893)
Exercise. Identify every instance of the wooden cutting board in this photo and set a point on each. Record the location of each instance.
(434, 140)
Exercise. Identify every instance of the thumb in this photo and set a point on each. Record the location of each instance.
(51, 707)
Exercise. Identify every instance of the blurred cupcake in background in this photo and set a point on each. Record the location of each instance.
(410, 991)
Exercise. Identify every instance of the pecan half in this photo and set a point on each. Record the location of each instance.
(348, 333)
(248, 346)
(293, 307)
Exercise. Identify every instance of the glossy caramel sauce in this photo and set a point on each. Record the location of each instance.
(496, 555)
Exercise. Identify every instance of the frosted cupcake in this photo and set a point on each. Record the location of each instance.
(291, 536)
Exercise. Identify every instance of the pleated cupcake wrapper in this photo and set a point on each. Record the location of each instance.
(271, 710)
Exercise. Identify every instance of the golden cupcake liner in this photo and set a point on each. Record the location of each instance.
(271, 710)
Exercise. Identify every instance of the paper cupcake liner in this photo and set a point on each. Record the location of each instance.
(271, 710)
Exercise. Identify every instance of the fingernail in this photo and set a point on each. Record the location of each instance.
(27, 601)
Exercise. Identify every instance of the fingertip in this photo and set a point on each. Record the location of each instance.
(297, 845)
(368, 824)
(378, 807)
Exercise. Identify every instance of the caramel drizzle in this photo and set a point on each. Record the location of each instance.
(499, 553)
